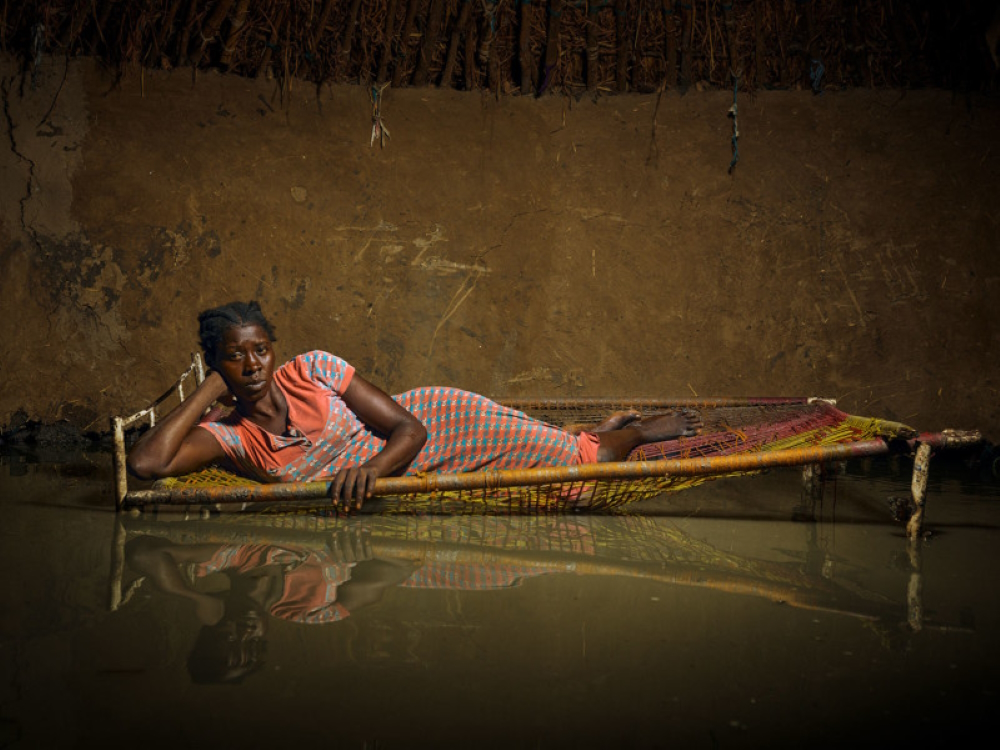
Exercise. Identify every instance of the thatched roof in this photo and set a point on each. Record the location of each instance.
(530, 46)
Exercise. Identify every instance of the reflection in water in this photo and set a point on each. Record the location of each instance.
(292, 583)
(722, 623)
(240, 571)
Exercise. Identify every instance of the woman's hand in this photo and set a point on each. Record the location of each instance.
(405, 436)
(228, 400)
(351, 487)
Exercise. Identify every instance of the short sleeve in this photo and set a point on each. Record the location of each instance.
(229, 438)
(226, 436)
(324, 368)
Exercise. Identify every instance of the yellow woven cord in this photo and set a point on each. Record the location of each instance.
(556, 497)
(853, 429)
(213, 476)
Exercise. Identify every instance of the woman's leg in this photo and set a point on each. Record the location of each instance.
(614, 422)
(615, 445)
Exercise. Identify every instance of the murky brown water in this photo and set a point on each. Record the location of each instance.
(739, 614)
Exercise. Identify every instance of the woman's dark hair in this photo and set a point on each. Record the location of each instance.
(212, 324)
(216, 658)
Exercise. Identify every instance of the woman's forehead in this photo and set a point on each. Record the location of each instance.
(241, 334)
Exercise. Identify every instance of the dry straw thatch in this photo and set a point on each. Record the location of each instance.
(528, 46)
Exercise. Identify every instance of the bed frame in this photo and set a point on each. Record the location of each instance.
(739, 441)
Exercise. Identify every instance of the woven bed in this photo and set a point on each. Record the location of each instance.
(740, 436)
(792, 430)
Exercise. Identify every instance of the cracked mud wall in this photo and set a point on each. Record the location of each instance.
(517, 247)
(57, 335)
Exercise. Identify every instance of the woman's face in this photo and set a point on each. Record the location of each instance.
(245, 359)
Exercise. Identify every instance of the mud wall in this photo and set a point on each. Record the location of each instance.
(514, 246)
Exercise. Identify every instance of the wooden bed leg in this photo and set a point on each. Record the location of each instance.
(118, 461)
(812, 480)
(918, 487)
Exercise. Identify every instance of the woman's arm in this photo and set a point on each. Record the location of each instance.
(159, 559)
(405, 436)
(173, 445)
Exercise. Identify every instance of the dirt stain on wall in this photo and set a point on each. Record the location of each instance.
(513, 246)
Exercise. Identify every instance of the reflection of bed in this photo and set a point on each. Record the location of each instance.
(740, 436)
(631, 546)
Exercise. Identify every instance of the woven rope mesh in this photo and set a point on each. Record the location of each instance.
(486, 537)
(765, 425)
(633, 546)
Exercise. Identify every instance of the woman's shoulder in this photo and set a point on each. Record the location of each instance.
(317, 355)
(317, 365)
(227, 428)
(315, 359)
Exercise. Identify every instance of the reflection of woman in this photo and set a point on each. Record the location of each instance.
(299, 585)
(315, 418)
(295, 584)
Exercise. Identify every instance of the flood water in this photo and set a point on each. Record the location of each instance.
(743, 613)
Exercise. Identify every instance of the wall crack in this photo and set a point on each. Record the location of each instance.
(29, 183)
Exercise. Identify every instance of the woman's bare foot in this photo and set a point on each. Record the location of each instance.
(680, 423)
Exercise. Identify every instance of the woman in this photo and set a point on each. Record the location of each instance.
(315, 418)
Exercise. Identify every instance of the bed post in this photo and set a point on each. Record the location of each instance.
(199, 368)
(118, 462)
(918, 488)
(118, 425)
(812, 480)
